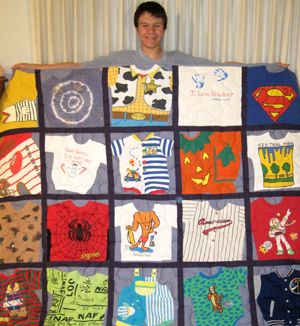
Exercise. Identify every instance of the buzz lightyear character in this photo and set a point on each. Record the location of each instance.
(277, 230)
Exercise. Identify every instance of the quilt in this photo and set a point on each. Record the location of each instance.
(160, 196)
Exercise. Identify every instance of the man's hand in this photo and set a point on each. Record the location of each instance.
(282, 64)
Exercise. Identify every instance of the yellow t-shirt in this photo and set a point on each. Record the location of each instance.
(18, 105)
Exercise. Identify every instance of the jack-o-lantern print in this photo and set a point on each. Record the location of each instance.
(210, 162)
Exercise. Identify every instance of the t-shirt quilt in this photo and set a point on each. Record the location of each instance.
(150, 196)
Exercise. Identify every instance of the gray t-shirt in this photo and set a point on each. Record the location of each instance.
(127, 57)
(169, 58)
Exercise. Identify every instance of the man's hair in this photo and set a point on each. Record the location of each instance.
(154, 8)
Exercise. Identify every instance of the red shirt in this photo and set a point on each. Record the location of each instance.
(261, 214)
(19, 303)
(78, 233)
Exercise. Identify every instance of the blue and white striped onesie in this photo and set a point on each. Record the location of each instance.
(143, 163)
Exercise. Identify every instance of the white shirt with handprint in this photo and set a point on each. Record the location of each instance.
(210, 96)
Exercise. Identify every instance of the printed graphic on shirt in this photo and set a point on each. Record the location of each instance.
(143, 163)
(145, 302)
(210, 162)
(275, 228)
(210, 96)
(273, 161)
(19, 165)
(140, 97)
(217, 298)
(19, 303)
(295, 285)
(212, 233)
(76, 299)
(148, 222)
(277, 165)
(72, 98)
(18, 105)
(20, 232)
(273, 98)
(78, 233)
(146, 235)
(75, 165)
(279, 299)
(13, 302)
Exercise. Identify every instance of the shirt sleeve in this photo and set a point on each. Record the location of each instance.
(112, 76)
(54, 277)
(240, 274)
(265, 297)
(172, 213)
(103, 61)
(100, 149)
(52, 143)
(34, 279)
(166, 146)
(187, 287)
(103, 210)
(117, 147)
(181, 58)
(117, 215)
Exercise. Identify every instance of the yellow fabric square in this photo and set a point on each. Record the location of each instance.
(18, 105)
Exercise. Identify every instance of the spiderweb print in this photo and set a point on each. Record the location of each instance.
(79, 234)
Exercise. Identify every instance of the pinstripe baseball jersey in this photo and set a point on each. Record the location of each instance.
(143, 163)
(211, 234)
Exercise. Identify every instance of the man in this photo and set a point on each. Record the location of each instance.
(150, 20)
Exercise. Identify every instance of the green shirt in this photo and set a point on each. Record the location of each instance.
(217, 298)
(76, 299)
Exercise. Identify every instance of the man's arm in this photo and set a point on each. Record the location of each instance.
(46, 66)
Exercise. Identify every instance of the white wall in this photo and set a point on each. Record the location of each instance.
(15, 33)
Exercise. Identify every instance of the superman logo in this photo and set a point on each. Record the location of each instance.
(275, 100)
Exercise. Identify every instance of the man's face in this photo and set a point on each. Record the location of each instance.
(150, 30)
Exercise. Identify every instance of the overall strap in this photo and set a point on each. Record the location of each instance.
(154, 272)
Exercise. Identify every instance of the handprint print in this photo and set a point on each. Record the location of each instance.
(198, 80)
(221, 74)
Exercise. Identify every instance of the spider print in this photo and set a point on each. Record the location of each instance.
(79, 231)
